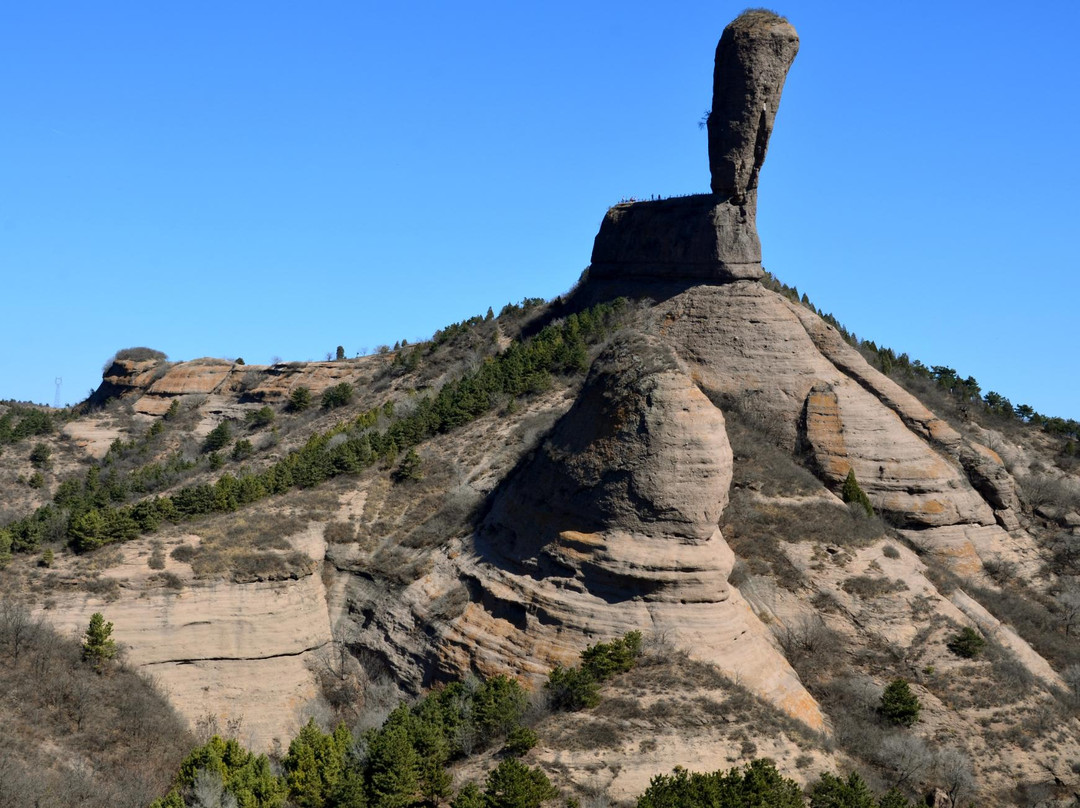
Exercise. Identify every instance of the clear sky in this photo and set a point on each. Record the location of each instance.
(273, 179)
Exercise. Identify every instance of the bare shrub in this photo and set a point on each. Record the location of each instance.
(906, 758)
(118, 738)
(339, 533)
(868, 587)
(809, 643)
(955, 774)
(168, 580)
(1071, 675)
(184, 553)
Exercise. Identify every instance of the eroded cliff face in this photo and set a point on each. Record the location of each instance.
(611, 526)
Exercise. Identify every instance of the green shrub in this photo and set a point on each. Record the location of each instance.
(409, 468)
(242, 450)
(337, 396)
(497, 706)
(831, 791)
(218, 438)
(247, 777)
(758, 784)
(300, 399)
(264, 416)
(966, 643)
(899, 705)
(519, 741)
(469, 797)
(572, 689)
(894, 798)
(40, 454)
(853, 494)
(579, 688)
(604, 660)
(514, 785)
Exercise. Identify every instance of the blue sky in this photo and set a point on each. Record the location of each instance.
(274, 179)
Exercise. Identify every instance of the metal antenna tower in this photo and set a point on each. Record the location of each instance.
(56, 401)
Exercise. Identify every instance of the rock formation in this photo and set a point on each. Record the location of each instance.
(611, 526)
(752, 61)
(711, 238)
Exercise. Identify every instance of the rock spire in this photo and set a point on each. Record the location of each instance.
(752, 60)
(711, 238)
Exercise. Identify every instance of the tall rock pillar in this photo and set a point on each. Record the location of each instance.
(752, 60)
(711, 238)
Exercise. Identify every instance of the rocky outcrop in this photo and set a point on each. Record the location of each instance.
(711, 238)
(153, 385)
(688, 238)
(754, 350)
(611, 526)
(752, 60)
(242, 653)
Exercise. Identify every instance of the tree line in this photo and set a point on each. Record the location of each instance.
(90, 513)
(404, 762)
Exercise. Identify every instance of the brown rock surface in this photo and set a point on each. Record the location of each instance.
(711, 238)
(612, 526)
(197, 376)
(692, 238)
(751, 348)
(231, 650)
(752, 60)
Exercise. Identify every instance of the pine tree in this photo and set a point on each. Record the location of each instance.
(834, 792)
(393, 767)
(899, 705)
(98, 644)
(852, 493)
(514, 785)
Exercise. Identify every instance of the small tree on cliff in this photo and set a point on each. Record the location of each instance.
(98, 645)
(899, 705)
(852, 493)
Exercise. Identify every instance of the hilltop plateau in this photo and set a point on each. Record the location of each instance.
(681, 447)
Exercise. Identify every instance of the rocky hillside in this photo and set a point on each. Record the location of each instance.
(679, 446)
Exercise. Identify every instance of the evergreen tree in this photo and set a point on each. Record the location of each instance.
(893, 798)
(757, 784)
(98, 645)
(315, 764)
(967, 643)
(852, 493)
(218, 438)
(899, 705)
(833, 792)
(300, 399)
(514, 785)
(469, 797)
(393, 767)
